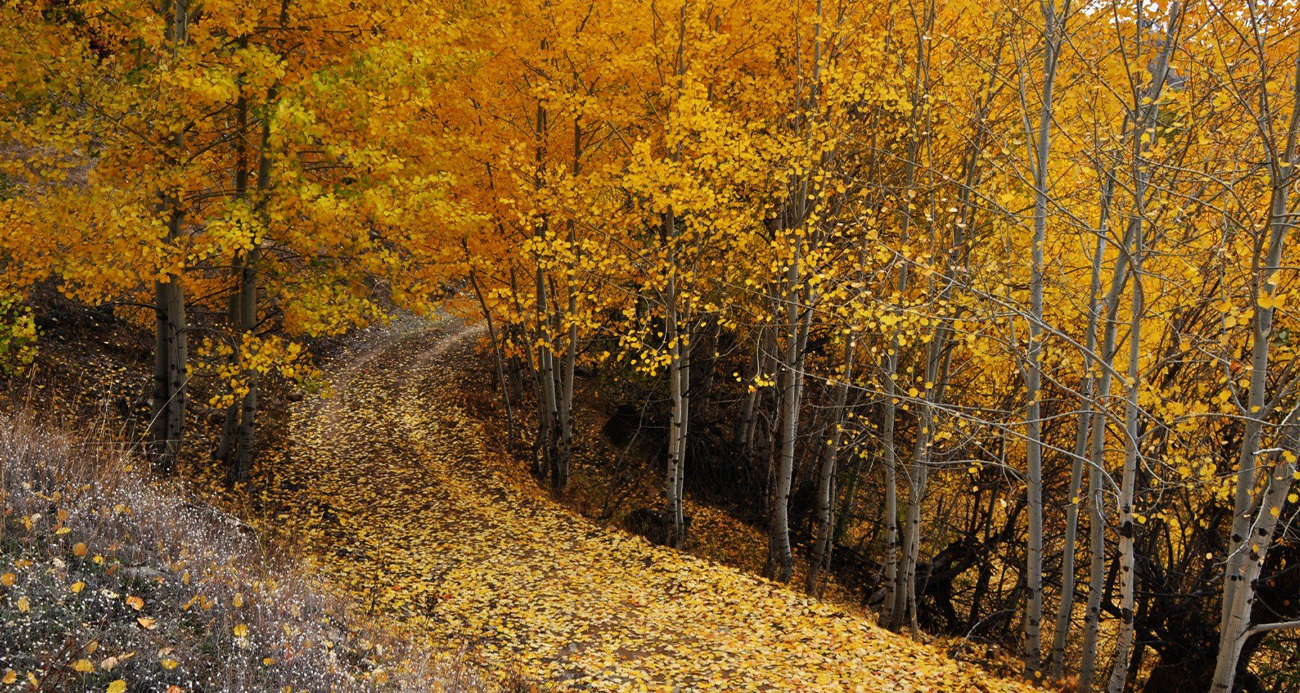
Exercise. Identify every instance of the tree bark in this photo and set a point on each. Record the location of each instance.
(678, 336)
(1253, 524)
(171, 353)
(1053, 32)
(780, 560)
(1087, 403)
(826, 476)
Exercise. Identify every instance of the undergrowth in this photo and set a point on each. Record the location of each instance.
(111, 580)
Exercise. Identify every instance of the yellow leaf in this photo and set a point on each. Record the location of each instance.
(79, 549)
(7, 579)
(135, 603)
(83, 665)
(9, 678)
(77, 587)
(24, 605)
(169, 664)
(147, 623)
(118, 686)
(241, 631)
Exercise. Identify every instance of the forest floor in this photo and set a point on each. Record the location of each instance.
(389, 489)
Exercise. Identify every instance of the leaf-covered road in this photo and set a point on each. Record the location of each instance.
(397, 500)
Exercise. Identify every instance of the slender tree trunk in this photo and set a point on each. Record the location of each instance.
(171, 353)
(1146, 105)
(826, 476)
(243, 460)
(845, 514)
(497, 360)
(1263, 524)
(780, 559)
(564, 448)
(1065, 610)
(895, 594)
(1053, 28)
(918, 477)
(889, 612)
(230, 421)
(1127, 528)
(1144, 117)
(239, 451)
(937, 362)
(743, 434)
(895, 607)
(170, 356)
(678, 336)
(549, 402)
(1096, 469)
(1253, 524)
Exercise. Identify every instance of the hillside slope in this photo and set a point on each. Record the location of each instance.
(114, 580)
(389, 486)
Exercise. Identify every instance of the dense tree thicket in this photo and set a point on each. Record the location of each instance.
(986, 300)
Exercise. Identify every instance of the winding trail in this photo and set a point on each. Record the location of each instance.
(389, 487)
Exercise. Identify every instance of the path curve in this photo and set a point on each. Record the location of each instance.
(389, 487)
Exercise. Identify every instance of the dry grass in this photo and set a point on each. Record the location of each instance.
(108, 575)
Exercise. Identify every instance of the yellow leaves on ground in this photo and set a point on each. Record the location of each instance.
(389, 486)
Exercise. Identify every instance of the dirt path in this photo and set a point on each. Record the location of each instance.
(391, 489)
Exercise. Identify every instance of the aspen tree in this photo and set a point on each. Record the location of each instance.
(1255, 512)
